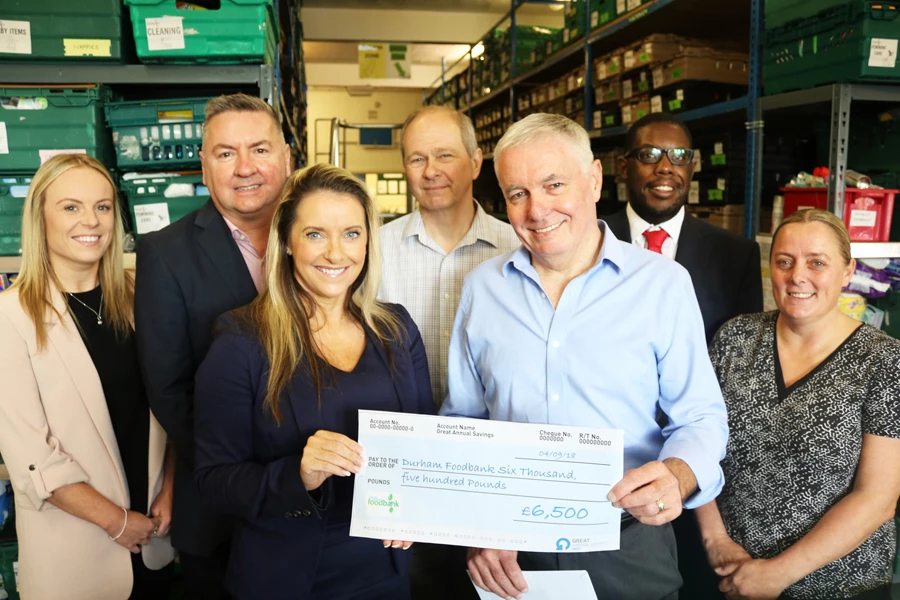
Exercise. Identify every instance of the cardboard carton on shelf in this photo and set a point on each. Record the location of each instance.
(731, 68)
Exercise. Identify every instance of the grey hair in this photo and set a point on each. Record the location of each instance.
(538, 125)
(463, 122)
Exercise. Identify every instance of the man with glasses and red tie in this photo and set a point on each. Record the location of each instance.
(724, 268)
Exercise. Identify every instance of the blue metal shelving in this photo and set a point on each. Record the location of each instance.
(748, 104)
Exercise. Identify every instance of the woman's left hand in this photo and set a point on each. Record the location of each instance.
(757, 579)
(397, 544)
(161, 511)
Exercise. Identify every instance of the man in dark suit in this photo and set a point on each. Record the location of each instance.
(724, 268)
(188, 274)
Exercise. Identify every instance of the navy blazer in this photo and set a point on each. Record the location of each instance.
(188, 274)
(249, 467)
(725, 268)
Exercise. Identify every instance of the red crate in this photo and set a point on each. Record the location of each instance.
(867, 212)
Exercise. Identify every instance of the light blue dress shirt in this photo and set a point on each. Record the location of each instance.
(624, 346)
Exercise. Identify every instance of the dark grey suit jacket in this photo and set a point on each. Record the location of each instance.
(724, 267)
(188, 274)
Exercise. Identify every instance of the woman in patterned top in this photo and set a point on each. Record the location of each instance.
(812, 473)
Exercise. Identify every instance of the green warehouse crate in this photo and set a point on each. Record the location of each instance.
(41, 122)
(156, 200)
(239, 31)
(780, 12)
(154, 134)
(13, 189)
(9, 568)
(64, 30)
(856, 41)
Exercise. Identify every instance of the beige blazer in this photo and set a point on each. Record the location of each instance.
(55, 430)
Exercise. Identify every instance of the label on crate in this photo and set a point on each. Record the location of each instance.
(4, 140)
(694, 194)
(629, 59)
(165, 33)
(882, 54)
(674, 105)
(601, 71)
(77, 47)
(620, 6)
(565, 36)
(15, 37)
(598, 119)
(720, 183)
(595, 19)
(656, 104)
(698, 161)
(627, 89)
(48, 154)
(715, 195)
(151, 217)
(622, 191)
(658, 77)
(863, 218)
(633, 4)
(626, 114)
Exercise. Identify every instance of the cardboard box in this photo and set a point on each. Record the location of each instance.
(609, 90)
(730, 217)
(608, 66)
(635, 108)
(636, 83)
(731, 68)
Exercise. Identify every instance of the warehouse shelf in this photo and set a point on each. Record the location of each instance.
(840, 96)
(715, 110)
(504, 88)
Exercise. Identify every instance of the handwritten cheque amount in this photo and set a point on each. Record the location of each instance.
(487, 484)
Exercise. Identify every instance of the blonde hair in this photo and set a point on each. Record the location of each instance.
(463, 122)
(539, 125)
(36, 276)
(239, 103)
(281, 315)
(815, 215)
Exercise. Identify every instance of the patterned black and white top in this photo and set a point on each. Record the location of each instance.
(793, 452)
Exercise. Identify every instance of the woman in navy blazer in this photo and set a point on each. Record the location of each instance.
(277, 398)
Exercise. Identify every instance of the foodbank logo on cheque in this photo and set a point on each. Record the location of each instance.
(382, 504)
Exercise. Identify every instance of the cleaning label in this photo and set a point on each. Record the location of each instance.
(4, 141)
(15, 37)
(165, 33)
(151, 217)
(882, 54)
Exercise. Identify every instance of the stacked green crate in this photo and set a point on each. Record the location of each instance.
(13, 189)
(856, 41)
(602, 12)
(158, 199)
(780, 12)
(157, 134)
(54, 30)
(240, 31)
(9, 568)
(41, 122)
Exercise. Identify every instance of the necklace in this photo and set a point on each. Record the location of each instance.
(96, 312)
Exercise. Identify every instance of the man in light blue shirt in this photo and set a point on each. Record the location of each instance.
(578, 328)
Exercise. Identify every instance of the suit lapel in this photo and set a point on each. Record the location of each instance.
(65, 338)
(216, 241)
(407, 402)
(618, 224)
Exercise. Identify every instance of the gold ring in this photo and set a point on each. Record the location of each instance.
(660, 505)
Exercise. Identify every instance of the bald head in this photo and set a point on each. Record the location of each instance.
(462, 123)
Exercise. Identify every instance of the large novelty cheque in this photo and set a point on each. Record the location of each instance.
(487, 484)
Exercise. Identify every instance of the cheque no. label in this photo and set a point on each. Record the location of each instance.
(487, 484)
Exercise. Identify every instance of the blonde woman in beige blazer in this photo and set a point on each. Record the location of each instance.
(72, 419)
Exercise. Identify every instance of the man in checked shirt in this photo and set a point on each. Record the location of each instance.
(426, 255)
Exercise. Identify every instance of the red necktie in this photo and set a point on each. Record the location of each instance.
(655, 240)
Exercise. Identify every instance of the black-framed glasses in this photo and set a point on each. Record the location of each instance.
(650, 155)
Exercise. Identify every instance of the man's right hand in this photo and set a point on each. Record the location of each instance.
(326, 454)
(725, 555)
(497, 571)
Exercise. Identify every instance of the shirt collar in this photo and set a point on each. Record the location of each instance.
(481, 229)
(610, 252)
(637, 226)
